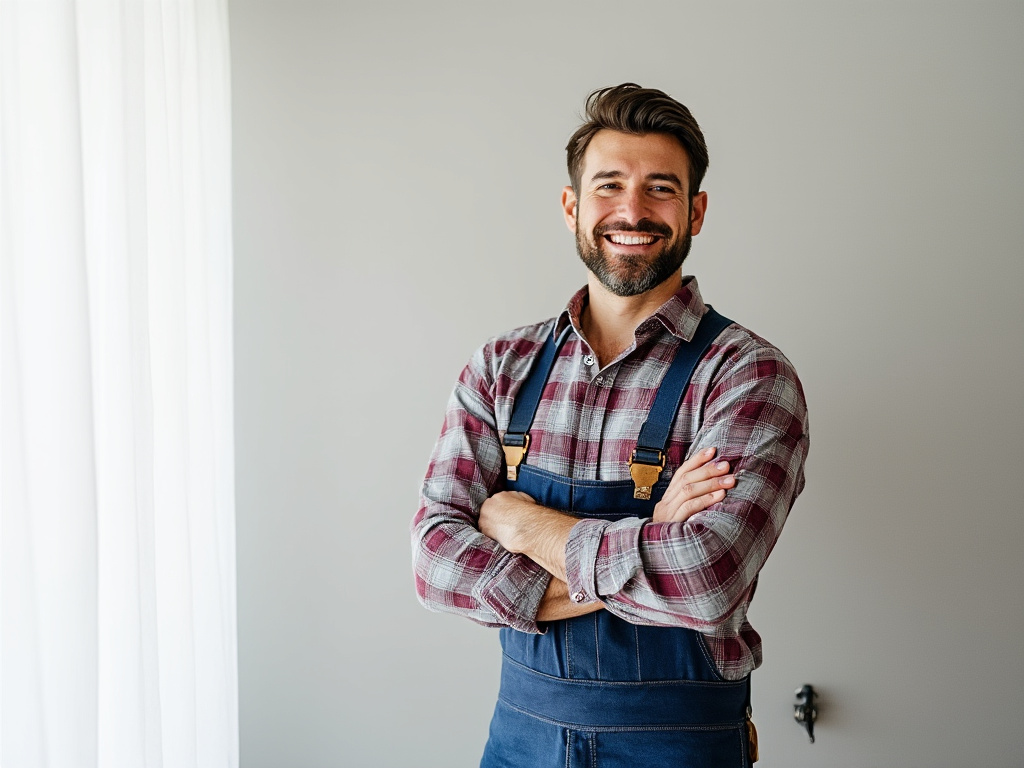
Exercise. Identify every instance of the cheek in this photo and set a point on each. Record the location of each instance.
(677, 221)
(593, 215)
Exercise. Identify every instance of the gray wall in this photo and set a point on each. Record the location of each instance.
(397, 173)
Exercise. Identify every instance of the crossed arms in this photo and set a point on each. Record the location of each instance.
(522, 526)
(501, 560)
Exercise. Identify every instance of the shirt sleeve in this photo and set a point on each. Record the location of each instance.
(458, 569)
(696, 573)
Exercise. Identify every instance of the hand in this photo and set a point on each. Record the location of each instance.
(524, 527)
(696, 485)
(500, 514)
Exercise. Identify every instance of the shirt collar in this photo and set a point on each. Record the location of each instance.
(680, 315)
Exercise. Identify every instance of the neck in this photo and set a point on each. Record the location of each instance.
(610, 322)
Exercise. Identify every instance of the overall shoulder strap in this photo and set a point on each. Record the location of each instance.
(517, 438)
(649, 457)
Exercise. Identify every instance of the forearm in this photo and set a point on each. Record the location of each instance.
(556, 604)
(522, 526)
(541, 534)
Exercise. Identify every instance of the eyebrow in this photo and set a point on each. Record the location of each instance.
(650, 177)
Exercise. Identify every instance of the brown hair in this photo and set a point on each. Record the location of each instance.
(631, 109)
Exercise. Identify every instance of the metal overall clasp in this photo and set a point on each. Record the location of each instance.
(644, 476)
(514, 454)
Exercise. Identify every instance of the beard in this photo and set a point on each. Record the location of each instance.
(628, 275)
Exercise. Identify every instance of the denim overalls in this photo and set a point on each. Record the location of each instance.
(597, 691)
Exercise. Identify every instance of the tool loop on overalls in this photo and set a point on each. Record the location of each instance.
(752, 741)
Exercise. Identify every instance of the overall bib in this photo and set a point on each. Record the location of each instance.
(597, 691)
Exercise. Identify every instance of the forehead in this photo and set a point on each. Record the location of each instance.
(634, 154)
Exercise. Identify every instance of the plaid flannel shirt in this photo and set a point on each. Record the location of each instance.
(744, 399)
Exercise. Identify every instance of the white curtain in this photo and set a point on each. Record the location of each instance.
(117, 627)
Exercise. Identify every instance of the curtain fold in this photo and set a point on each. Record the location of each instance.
(117, 626)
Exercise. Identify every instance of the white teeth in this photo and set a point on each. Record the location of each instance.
(631, 239)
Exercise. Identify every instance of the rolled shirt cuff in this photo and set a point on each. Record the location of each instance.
(581, 552)
(602, 557)
(514, 593)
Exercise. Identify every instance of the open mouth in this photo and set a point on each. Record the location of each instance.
(640, 239)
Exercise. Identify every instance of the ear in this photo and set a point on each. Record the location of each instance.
(698, 208)
(569, 204)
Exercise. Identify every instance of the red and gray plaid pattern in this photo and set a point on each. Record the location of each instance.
(744, 399)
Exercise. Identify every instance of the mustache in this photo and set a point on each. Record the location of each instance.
(644, 226)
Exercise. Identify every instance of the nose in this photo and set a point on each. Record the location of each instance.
(633, 205)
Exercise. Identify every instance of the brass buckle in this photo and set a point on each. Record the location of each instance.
(644, 476)
(513, 458)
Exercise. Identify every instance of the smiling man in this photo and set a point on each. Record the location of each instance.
(652, 251)
(580, 494)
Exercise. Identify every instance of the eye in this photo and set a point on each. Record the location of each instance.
(662, 190)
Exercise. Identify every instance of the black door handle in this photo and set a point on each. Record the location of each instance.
(805, 711)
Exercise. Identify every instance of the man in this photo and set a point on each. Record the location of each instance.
(548, 510)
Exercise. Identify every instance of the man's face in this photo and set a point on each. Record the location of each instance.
(633, 218)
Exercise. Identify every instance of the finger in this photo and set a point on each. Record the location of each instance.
(680, 480)
(683, 512)
(709, 468)
(701, 503)
(696, 490)
(700, 457)
(685, 493)
(705, 471)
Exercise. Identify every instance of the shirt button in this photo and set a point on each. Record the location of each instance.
(589, 360)
(579, 597)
